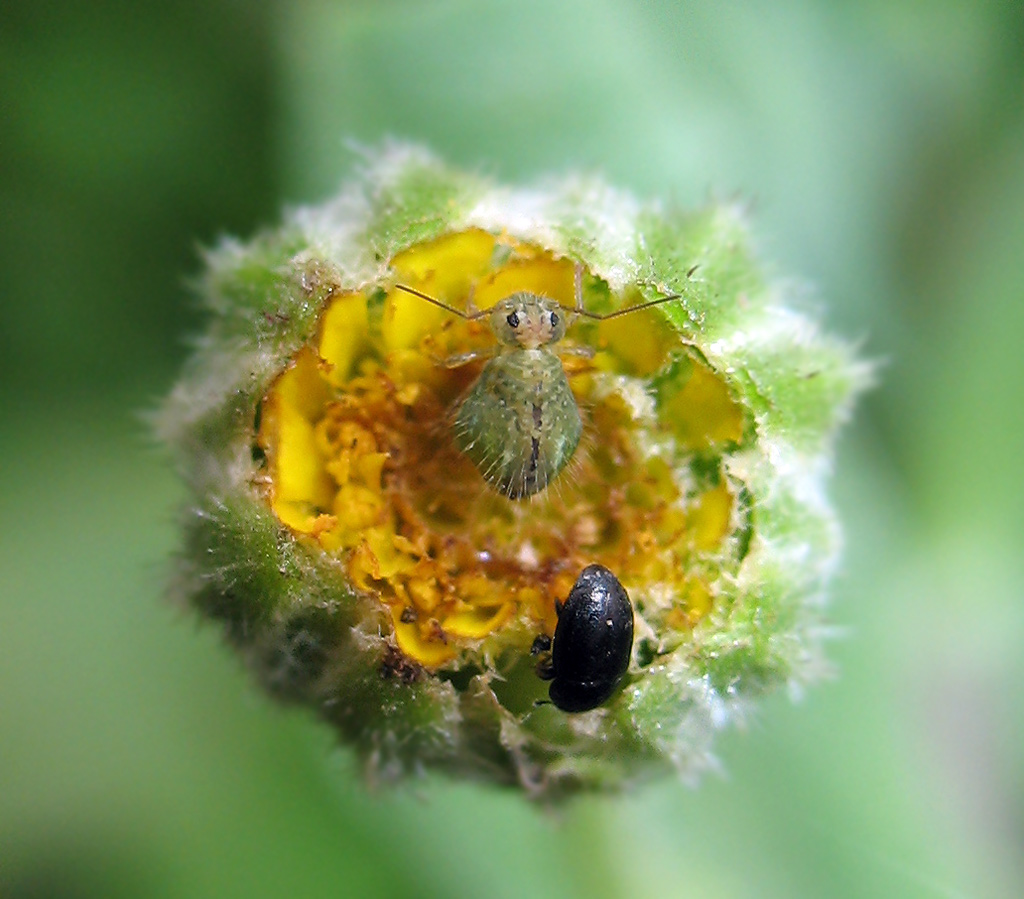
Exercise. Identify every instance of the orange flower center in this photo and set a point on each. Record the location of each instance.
(357, 433)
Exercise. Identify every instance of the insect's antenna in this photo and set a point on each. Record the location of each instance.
(607, 315)
(597, 316)
(423, 296)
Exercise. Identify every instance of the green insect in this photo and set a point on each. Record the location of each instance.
(520, 423)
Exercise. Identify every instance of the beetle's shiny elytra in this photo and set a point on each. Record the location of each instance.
(593, 642)
(519, 423)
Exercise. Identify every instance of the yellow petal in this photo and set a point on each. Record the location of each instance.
(343, 336)
(702, 413)
(476, 622)
(301, 476)
(710, 517)
(427, 644)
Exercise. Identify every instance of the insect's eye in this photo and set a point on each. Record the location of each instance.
(513, 320)
(554, 319)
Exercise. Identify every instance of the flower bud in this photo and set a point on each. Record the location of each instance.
(346, 525)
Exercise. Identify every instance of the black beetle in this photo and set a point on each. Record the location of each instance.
(593, 642)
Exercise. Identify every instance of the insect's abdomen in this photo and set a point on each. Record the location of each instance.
(519, 424)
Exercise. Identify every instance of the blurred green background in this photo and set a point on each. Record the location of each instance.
(882, 145)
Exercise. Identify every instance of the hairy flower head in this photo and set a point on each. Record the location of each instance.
(341, 435)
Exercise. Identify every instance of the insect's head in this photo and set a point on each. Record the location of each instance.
(528, 321)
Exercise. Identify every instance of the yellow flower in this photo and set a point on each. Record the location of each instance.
(369, 567)
(357, 434)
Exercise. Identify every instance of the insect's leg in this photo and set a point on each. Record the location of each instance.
(471, 310)
(542, 648)
(585, 352)
(462, 358)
